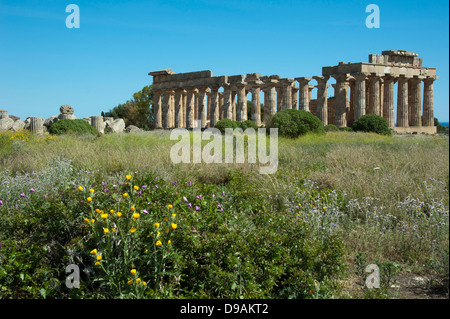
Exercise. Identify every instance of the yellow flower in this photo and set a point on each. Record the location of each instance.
(105, 230)
(174, 215)
(133, 208)
(99, 257)
(167, 230)
(111, 211)
(158, 243)
(89, 199)
(130, 282)
(104, 216)
(324, 207)
(136, 188)
(156, 225)
(144, 283)
(133, 230)
(80, 188)
(169, 242)
(94, 251)
(113, 229)
(91, 191)
(135, 215)
(166, 219)
(159, 233)
(174, 226)
(97, 263)
(93, 220)
(97, 210)
(119, 214)
(125, 195)
(86, 220)
(128, 177)
(133, 271)
(138, 280)
(170, 206)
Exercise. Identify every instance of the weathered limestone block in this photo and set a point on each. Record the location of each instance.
(87, 119)
(6, 124)
(66, 109)
(66, 116)
(117, 126)
(18, 126)
(132, 129)
(51, 120)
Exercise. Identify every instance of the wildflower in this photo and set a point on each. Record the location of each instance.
(106, 230)
(138, 280)
(80, 188)
(91, 191)
(133, 208)
(113, 230)
(189, 183)
(174, 226)
(86, 220)
(156, 225)
(166, 219)
(99, 257)
(89, 199)
(144, 283)
(170, 206)
(133, 230)
(104, 216)
(32, 190)
(197, 208)
(128, 177)
(174, 183)
(184, 198)
(97, 210)
(94, 252)
(145, 211)
(97, 263)
(174, 215)
(136, 188)
(158, 243)
(119, 214)
(22, 194)
(92, 220)
(135, 215)
(167, 230)
(1, 203)
(169, 242)
(144, 186)
(125, 195)
(133, 271)
(130, 282)
(111, 211)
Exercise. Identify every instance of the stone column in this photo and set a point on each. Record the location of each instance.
(37, 125)
(202, 112)
(241, 110)
(360, 95)
(190, 106)
(428, 101)
(227, 107)
(233, 104)
(351, 112)
(374, 95)
(381, 97)
(341, 101)
(167, 108)
(179, 108)
(322, 99)
(97, 123)
(416, 102)
(214, 106)
(295, 98)
(157, 109)
(221, 103)
(184, 107)
(196, 107)
(271, 107)
(402, 102)
(279, 99)
(388, 103)
(287, 94)
(256, 105)
(4, 114)
(304, 93)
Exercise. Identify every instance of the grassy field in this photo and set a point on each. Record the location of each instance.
(337, 203)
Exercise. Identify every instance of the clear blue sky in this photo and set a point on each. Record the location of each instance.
(44, 65)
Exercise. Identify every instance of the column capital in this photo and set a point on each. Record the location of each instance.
(430, 79)
(341, 77)
(360, 76)
(389, 78)
(303, 80)
(321, 78)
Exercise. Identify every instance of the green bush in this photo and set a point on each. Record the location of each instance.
(72, 126)
(331, 128)
(225, 123)
(372, 123)
(248, 123)
(293, 123)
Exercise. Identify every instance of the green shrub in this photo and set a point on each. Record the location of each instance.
(346, 129)
(331, 128)
(72, 126)
(293, 123)
(226, 123)
(372, 123)
(246, 124)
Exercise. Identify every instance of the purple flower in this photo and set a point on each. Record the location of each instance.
(1, 203)
(106, 190)
(32, 190)
(197, 208)
(103, 183)
(221, 209)
(190, 205)
(189, 183)
(45, 196)
(174, 183)
(22, 194)
(144, 186)
(223, 193)
(156, 186)
(144, 211)
(218, 205)
(184, 198)
(199, 196)
(214, 195)
(114, 186)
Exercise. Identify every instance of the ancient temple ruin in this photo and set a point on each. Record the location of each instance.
(180, 100)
